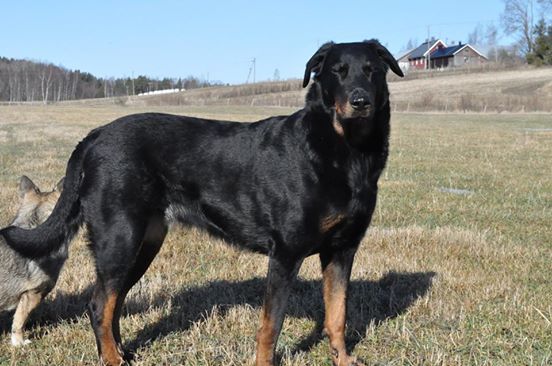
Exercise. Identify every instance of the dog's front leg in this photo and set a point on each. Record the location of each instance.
(27, 303)
(281, 274)
(336, 270)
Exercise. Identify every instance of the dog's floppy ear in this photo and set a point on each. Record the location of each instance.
(386, 56)
(26, 185)
(316, 61)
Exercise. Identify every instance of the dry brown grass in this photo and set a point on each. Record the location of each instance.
(521, 90)
(518, 90)
(455, 269)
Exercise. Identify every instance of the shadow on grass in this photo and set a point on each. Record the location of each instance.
(64, 307)
(369, 302)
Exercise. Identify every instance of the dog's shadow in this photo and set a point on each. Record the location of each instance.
(370, 302)
(65, 307)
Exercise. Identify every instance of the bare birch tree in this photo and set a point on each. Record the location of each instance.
(518, 18)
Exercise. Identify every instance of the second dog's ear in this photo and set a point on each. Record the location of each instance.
(26, 185)
(59, 186)
(316, 61)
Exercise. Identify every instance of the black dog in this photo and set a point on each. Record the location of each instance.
(288, 187)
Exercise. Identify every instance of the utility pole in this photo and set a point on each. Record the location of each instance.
(428, 48)
(133, 92)
(251, 70)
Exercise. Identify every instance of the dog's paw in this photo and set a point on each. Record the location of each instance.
(356, 362)
(18, 340)
(348, 361)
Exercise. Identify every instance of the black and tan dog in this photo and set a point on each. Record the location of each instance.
(25, 282)
(288, 186)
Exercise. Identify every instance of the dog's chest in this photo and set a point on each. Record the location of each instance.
(348, 215)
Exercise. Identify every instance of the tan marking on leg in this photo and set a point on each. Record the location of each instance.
(265, 339)
(27, 303)
(278, 287)
(335, 301)
(111, 354)
(328, 222)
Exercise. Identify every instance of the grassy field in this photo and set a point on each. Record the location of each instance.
(455, 270)
(456, 90)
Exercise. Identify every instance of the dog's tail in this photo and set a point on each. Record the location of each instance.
(62, 225)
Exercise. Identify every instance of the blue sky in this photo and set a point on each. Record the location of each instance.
(217, 39)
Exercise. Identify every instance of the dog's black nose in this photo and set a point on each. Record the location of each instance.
(359, 99)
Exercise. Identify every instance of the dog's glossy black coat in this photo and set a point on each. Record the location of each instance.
(287, 186)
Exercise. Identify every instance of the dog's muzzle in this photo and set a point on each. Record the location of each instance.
(359, 99)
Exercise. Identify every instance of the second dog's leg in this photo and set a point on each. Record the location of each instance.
(27, 303)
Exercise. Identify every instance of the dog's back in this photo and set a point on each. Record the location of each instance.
(19, 275)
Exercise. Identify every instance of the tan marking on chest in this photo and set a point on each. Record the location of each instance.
(336, 124)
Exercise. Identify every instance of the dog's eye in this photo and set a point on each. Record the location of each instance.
(367, 70)
(341, 69)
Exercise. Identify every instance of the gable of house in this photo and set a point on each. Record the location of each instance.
(428, 46)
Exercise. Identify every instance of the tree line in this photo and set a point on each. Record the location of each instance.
(530, 22)
(30, 81)
(541, 52)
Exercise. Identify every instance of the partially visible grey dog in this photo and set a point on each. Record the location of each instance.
(24, 282)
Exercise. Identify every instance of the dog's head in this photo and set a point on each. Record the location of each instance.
(352, 77)
(35, 206)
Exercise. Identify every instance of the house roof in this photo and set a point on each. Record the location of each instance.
(422, 49)
(405, 54)
(447, 51)
(453, 50)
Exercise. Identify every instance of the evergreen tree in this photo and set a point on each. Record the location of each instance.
(542, 50)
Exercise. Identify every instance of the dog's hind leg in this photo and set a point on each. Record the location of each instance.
(281, 274)
(336, 271)
(151, 244)
(101, 310)
(27, 303)
(115, 249)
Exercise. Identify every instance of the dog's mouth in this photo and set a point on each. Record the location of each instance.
(346, 115)
(346, 110)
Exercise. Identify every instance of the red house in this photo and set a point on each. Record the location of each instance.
(457, 55)
(435, 54)
(417, 58)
